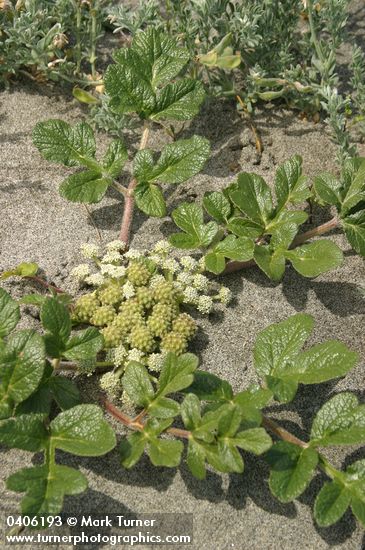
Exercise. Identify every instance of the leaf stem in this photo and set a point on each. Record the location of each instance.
(320, 230)
(71, 366)
(136, 424)
(45, 284)
(129, 201)
(271, 425)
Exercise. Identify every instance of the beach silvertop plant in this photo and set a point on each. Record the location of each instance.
(218, 424)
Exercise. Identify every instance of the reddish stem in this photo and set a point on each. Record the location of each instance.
(44, 283)
(282, 433)
(129, 200)
(135, 424)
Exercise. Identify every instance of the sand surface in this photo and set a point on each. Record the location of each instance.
(230, 511)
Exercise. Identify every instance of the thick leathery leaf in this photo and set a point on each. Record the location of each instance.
(353, 190)
(278, 344)
(45, 489)
(290, 185)
(164, 452)
(137, 384)
(64, 391)
(331, 503)
(253, 198)
(215, 263)
(176, 373)
(189, 217)
(217, 206)
(83, 431)
(115, 158)
(315, 258)
(272, 263)
(181, 160)
(292, 469)
(196, 459)
(9, 313)
(354, 227)
(59, 142)
(341, 421)
(254, 440)
(323, 362)
(150, 200)
(131, 448)
(27, 432)
(179, 101)
(56, 319)
(84, 344)
(21, 364)
(236, 248)
(328, 188)
(88, 186)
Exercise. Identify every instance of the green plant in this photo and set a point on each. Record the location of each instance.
(217, 423)
(248, 227)
(30, 389)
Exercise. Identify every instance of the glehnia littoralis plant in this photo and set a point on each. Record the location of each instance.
(247, 223)
(218, 424)
(137, 327)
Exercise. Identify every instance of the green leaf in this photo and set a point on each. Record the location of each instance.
(354, 184)
(176, 373)
(283, 390)
(354, 227)
(358, 509)
(181, 160)
(224, 457)
(215, 263)
(217, 206)
(283, 236)
(253, 198)
(315, 258)
(229, 420)
(88, 186)
(164, 452)
(33, 299)
(209, 387)
(163, 407)
(21, 365)
(57, 141)
(65, 392)
(84, 345)
(9, 313)
(84, 97)
(245, 228)
(236, 248)
(45, 489)
(137, 384)
(328, 188)
(250, 402)
(126, 84)
(285, 217)
(271, 263)
(331, 503)
(131, 448)
(179, 101)
(292, 469)
(322, 362)
(162, 58)
(27, 432)
(196, 459)
(115, 158)
(277, 345)
(190, 412)
(290, 185)
(150, 200)
(56, 319)
(82, 431)
(254, 440)
(189, 217)
(341, 421)
(25, 269)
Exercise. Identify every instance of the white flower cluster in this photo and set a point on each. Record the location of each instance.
(110, 383)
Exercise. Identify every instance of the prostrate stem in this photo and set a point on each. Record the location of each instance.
(129, 201)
